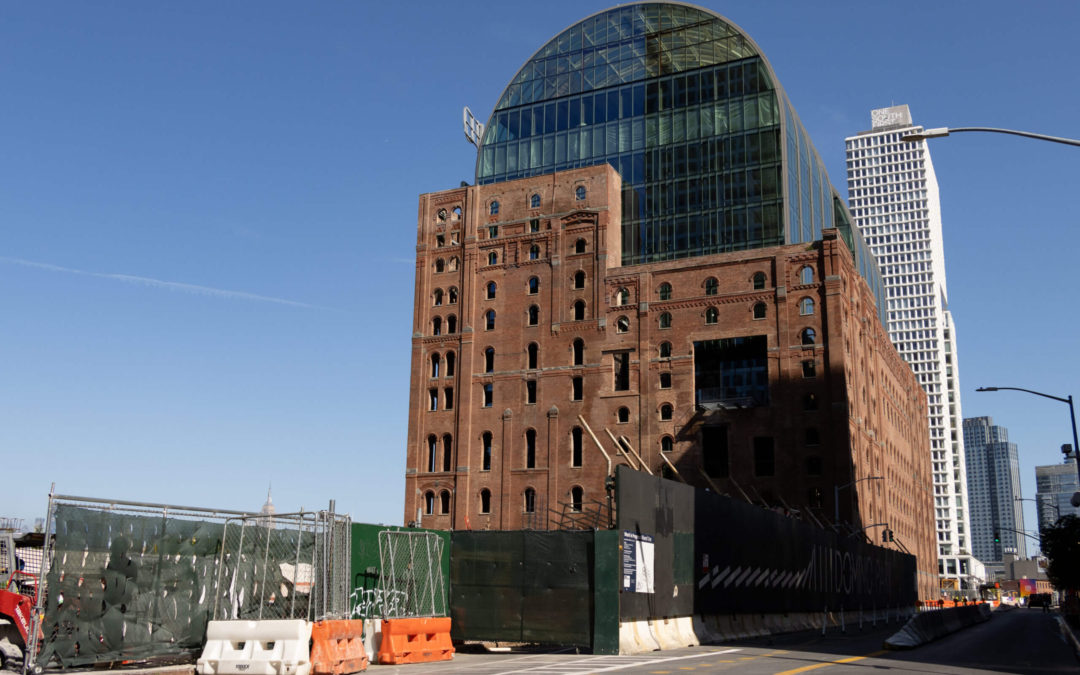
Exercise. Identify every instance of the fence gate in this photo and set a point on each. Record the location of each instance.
(411, 582)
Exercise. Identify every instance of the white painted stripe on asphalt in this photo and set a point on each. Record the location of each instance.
(588, 664)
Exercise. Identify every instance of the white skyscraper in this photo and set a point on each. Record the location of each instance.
(893, 195)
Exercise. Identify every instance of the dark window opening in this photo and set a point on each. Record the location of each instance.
(579, 310)
(813, 465)
(436, 326)
(493, 258)
(759, 281)
(665, 350)
(534, 252)
(444, 502)
(433, 399)
(665, 380)
(534, 285)
(809, 336)
(809, 369)
(809, 402)
(576, 386)
(451, 324)
(488, 395)
(534, 202)
(534, 356)
(453, 295)
(448, 397)
(577, 497)
(712, 315)
(449, 364)
(494, 210)
(429, 502)
(435, 365)
(486, 459)
(534, 315)
(667, 444)
(579, 246)
(624, 415)
(759, 310)
(812, 436)
(485, 501)
(438, 297)
(665, 291)
(489, 360)
(666, 411)
(712, 286)
(440, 265)
(579, 193)
(579, 352)
(489, 320)
(530, 391)
(731, 372)
(534, 225)
(714, 450)
(448, 452)
(579, 279)
(433, 453)
(576, 446)
(530, 449)
(491, 290)
(621, 361)
(764, 456)
(665, 320)
(622, 325)
(530, 500)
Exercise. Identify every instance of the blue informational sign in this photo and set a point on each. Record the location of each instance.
(638, 554)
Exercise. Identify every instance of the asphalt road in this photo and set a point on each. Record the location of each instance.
(1013, 641)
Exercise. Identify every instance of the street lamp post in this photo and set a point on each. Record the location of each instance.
(1072, 415)
(940, 132)
(1036, 502)
(836, 494)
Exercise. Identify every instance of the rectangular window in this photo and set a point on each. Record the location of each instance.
(714, 447)
(534, 225)
(448, 398)
(808, 369)
(433, 399)
(731, 372)
(493, 231)
(488, 395)
(530, 391)
(665, 380)
(576, 386)
(764, 457)
(622, 370)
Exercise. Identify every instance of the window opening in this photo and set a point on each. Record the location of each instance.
(808, 369)
(491, 290)
(759, 310)
(449, 364)
(489, 360)
(493, 231)
(759, 281)
(534, 315)
(494, 209)
(530, 449)
(444, 502)
(809, 336)
(666, 411)
(579, 193)
(579, 310)
(666, 444)
(577, 498)
(576, 388)
(435, 361)
(624, 415)
(665, 291)
(764, 459)
(530, 391)
(534, 285)
(622, 297)
(806, 275)
(621, 361)
(493, 258)
(534, 201)
(448, 397)
(665, 350)
(534, 225)
(809, 402)
(440, 265)
(711, 315)
(429, 503)
(486, 460)
(448, 454)
(579, 352)
(665, 380)
(665, 320)
(451, 324)
(433, 399)
(433, 452)
(438, 297)
(485, 501)
(534, 252)
(534, 356)
(731, 372)
(579, 279)
(806, 306)
(489, 320)
(812, 436)
(622, 325)
(530, 500)
(712, 286)
(579, 246)
(453, 295)
(577, 446)
(488, 395)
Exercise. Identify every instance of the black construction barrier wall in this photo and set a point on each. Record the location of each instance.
(714, 554)
(522, 586)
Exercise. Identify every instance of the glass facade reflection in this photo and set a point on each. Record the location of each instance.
(685, 107)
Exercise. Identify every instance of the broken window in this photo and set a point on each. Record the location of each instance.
(452, 265)
(435, 365)
(622, 325)
(621, 362)
(622, 297)
(433, 399)
(453, 295)
(440, 265)
(731, 372)
(438, 297)
(530, 449)
(764, 458)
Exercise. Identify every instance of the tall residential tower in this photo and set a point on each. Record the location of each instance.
(993, 481)
(1055, 485)
(893, 197)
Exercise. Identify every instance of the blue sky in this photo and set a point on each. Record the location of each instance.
(208, 213)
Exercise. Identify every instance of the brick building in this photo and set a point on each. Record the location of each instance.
(765, 372)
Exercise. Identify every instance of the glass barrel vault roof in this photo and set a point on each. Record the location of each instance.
(683, 104)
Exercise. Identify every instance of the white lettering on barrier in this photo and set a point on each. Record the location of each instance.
(373, 603)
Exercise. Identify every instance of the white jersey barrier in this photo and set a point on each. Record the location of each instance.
(270, 647)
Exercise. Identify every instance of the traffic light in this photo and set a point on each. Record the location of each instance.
(890, 535)
(884, 536)
(997, 537)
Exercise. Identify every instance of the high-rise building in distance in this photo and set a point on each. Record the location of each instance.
(993, 483)
(893, 197)
(1055, 484)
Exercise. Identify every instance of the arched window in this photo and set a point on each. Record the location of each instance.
(666, 411)
(438, 297)
(494, 209)
(665, 380)
(534, 201)
(665, 350)
(491, 290)
(579, 246)
(534, 356)
(579, 310)
(452, 264)
(441, 215)
(444, 502)
(579, 352)
(665, 291)
(665, 320)
(579, 279)
(809, 402)
(579, 193)
(429, 502)
(622, 297)
(486, 460)
(449, 364)
(812, 436)
(711, 315)
(534, 315)
(530, 449)
(448, 452)
(622, 325)
(759, 310)
(806, 306)
(453, 295)
(624, 415)
(493, 258)
(457, 212)
(489, 320)
(809, 336)
(809, 368)
(759, 281)
(534, 285)
(485, 501)
(577, 447)
(435, 362)
(440, 265)
(433, 453)
(577, 498)
(806, 275)
(534, 252)
(489, 360)
(436, 326)
(451, 324)
(711, 286)
(530, 500)
(667, 444)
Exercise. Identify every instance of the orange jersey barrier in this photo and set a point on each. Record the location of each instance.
(415, 641)
(337, 647)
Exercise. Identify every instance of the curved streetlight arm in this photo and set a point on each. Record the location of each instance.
(1037, 393)
(838, 488)
(945, 131)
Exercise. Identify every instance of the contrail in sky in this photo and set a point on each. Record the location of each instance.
(167, 285)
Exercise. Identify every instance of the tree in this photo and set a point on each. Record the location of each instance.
(1061, 545)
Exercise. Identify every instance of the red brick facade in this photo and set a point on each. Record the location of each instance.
(784, 418)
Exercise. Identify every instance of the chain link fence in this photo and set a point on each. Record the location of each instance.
(411, 581)
(284, 566)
